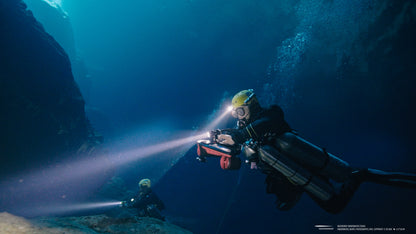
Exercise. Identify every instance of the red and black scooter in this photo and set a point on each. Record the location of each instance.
(227, 154)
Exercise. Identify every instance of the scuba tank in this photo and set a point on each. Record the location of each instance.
(295, 173)
(312, 157)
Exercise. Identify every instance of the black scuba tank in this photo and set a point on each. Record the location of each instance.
(313, 157)
(296, 174)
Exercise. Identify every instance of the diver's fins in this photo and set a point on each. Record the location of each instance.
(398, 179)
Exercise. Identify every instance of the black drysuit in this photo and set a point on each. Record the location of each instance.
(269, 124)
(148, 204)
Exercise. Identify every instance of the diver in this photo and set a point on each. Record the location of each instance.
(293, 165)
(146, 202)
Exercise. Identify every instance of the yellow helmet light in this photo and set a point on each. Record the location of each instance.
(242, 98)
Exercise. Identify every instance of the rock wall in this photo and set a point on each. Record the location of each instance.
(55, 22)
(43, 117)
(58, 24)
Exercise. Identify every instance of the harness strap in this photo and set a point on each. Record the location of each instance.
(326, 159)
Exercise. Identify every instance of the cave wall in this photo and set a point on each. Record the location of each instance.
(57, 23)
(43, 117)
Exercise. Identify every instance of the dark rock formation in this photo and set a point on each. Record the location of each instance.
(43, 118)
(57, 23)
(43, 122)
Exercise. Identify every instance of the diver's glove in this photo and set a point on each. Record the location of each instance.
(127, 203)
(123, 204)
(231, 136)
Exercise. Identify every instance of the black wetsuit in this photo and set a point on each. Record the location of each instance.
(269, 124)
(148, 204)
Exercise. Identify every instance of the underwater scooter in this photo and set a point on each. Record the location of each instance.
(301, 162)
(211, 148)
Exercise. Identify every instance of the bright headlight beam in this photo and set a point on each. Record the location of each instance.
(82, 169)
(59, 209)
(158, 148)
(216, 121)
(100, 163)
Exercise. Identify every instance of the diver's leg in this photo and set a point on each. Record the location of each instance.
(154, 212)
(340, 200)
(287, 194)
(399, 179)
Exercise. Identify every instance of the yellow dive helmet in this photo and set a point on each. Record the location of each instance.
(243, 103)
(144, 183)
(243, 98)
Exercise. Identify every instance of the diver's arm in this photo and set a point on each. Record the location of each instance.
(251, 131)
(156, 200)
(258, 128)
(129, 203)
(272, 121)
(139, 202)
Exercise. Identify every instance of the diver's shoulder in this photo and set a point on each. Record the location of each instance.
(273, 111)
(273, 108)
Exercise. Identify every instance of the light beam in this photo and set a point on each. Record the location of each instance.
(216, 121)
(62, 209)
(81, 172)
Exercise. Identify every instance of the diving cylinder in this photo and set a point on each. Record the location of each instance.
(296, 174)
(313, 157)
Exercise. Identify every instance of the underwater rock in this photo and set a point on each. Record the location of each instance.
(14, 224)
(44, 117)
(105, 224)
(85, 224)
(43, 121)
(56, 23)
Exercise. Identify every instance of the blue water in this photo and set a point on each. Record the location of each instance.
(160, 67)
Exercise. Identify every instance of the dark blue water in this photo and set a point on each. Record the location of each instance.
(342, 70)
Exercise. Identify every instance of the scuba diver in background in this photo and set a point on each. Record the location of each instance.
(292, 164)
(146, 201)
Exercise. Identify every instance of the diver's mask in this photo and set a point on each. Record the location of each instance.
(241, 112)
